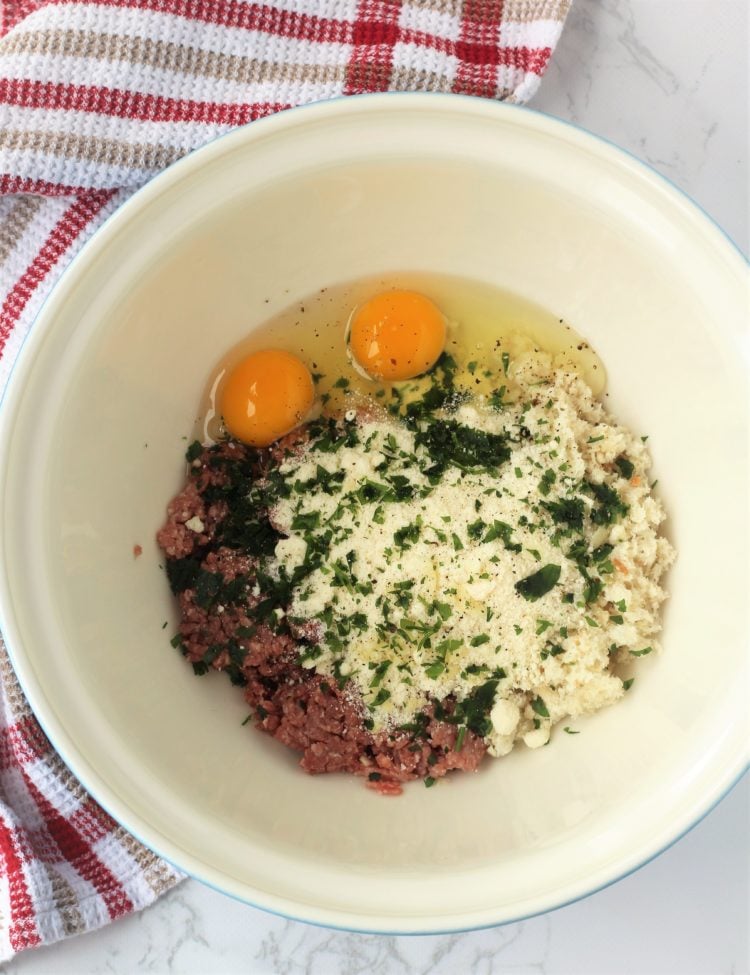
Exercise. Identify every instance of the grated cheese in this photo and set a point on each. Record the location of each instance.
(434, 585)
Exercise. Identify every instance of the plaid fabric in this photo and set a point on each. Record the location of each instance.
(65, 866)
(95, 98)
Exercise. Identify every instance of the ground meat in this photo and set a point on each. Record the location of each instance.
(305, 630)
(177, 540)
(292, 443)
(312, 715)
(402, 757)
(176, 537)
(229, 563)
(220, 601)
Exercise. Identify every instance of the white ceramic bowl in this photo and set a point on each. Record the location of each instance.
(108, 383)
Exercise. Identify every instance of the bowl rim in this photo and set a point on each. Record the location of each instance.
(10, 399)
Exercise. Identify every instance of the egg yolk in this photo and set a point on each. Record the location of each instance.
(265, 396)
(397, 335)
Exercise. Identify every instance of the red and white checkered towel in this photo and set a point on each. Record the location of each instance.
(96, 97)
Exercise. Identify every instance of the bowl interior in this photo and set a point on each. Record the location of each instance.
(95, 426)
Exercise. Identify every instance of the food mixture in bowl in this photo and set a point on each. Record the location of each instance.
(440, 547)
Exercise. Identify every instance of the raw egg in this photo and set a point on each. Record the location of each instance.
(397, 335)
(266, 395)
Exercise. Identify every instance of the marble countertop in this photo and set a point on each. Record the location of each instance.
(667, 80)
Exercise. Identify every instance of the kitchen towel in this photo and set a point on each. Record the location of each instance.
(96, 97)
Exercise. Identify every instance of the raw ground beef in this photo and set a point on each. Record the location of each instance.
(223, 627)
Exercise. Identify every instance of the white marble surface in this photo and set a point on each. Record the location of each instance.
(668, 80)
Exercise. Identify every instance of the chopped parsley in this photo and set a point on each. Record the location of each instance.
(380, 698)
(539, 707)
(548, 479)
(194, 451)
(611, 507)
(496, 398)
(624, 466)
(451, 443)
(380, 671)
(539, 583)
(602, 553)
(567, 511)
(501, 530)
